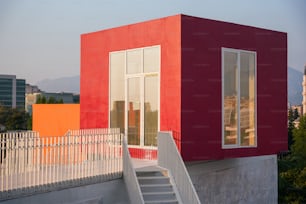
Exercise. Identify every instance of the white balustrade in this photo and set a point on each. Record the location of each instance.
(170, 158)
(27, 160)
(130, 177)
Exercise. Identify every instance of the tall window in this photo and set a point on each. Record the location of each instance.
(239, 98)
(117, 95)
(134, 94)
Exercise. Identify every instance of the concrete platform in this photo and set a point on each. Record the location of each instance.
(141, 163)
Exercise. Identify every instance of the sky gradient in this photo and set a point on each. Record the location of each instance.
(40, 39)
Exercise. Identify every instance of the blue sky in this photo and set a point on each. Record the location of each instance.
(40, 39)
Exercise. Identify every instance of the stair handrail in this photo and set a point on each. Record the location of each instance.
(129, 176)
(170, 158)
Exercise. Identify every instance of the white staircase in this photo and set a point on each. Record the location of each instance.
(156, 186)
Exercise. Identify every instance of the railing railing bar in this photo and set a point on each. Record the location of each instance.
(1, 162)
(40, 173)
(54, 160)
(9, 152)
(73, 156)
(48, 157)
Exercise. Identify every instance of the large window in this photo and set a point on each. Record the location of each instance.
(134, 94)
(239, 98)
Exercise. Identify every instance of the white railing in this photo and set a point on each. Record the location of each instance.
(130, 177)
(170, 158)
(79, 157)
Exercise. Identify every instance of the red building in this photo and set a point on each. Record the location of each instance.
(221, 87)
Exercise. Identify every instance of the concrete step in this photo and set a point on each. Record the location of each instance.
(149, 173)
(153, 180)
(160, 196)
(156, 188)
(162, 202)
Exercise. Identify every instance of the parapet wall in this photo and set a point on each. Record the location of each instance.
(239, 180)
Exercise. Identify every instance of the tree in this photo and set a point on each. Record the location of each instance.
(29, 122)
(4, 114)
(299, 145)
(60, 100)
(290, 128)
(292, 169)
(41, 99)
(18, 120)
(295, 114)
(51, 100)
(14, 118)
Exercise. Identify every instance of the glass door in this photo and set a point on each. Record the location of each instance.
(142, 110)
(134, 110)
(134, 94)
(150, 110)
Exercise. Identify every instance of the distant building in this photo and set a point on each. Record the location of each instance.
(12, 91)
(30, 89)
(299, 109)
(76, 98)
(31, 98)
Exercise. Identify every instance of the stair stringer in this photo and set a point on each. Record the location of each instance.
(167, 172)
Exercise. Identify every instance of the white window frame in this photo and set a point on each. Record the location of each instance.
(238, 145)
(142, 82)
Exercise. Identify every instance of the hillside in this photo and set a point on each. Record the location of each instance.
(295, 79)
(64, 84)
(72, 84)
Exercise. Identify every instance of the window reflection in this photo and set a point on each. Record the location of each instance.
(117, 64)
(151, 111)
(134, 61)
(247, 98)
(239, 91)
(151, 59)
(134, 107)
(137, 72)
(230, 98)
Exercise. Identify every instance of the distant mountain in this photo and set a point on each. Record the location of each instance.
(72, 84)
(64, 84)
(295, 79)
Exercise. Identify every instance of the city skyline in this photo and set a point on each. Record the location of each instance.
(40, 40)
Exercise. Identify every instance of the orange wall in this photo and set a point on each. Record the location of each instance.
(55, 119)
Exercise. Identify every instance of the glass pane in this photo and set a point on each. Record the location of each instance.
(134, 61)
(133, 111)
(117, 64)
(230, 98)
(151, 59)
(151, 111)
(247, 99)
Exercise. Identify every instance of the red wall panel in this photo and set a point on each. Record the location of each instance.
(95, 49)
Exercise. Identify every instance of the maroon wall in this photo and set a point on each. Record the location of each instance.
(201, 115)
